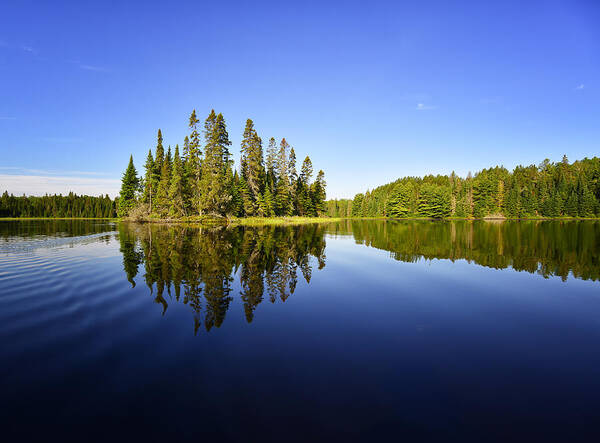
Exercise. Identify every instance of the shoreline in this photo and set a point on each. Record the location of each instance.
(295, 220)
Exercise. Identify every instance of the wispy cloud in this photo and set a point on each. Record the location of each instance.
(23, 170)
(29, 49)
(424, 107)
(580, 87)
(94, 68)
(40, 185)
(88, 67)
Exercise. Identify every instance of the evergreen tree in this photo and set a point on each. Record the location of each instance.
(252, 163)
(214, 198)
(158, 162)
(162, 193)
(177, 186)
(148, 190)
(129, 186)
(194, 163)
(282, 196)
(271, 164)
(318, 194)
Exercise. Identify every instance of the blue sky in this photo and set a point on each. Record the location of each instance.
(370, 90)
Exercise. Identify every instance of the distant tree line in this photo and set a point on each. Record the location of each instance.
(201, 180)
(547, 190)
(71, 205)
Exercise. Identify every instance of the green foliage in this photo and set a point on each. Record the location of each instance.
(177, 206)
(213, 190)
(202, 181)
(399, 203)
(57, 206)
(434, 201)
(547, 190)
(129, 187)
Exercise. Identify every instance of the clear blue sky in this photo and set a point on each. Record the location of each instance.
(371, 90)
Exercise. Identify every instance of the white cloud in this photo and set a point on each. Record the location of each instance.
(29, 49)
(43, 184)
(424, 107)
(26, 171)
(580, 87)
(94, 68)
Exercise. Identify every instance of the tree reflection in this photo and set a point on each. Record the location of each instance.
(548, 248)
(197, 266)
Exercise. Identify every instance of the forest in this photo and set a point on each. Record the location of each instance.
(200, 179)
(57, 206)
(547, 190)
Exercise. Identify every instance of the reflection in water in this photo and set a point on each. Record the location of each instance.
(196, 266)
(549, 248)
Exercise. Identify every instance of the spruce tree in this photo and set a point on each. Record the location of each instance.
(129, 186)
(214, 198)
(194, 163)
(252, 162)
(158, 162)
(177, 207)
(148, 190)
(162, 193)
(319, 195)
(271, 164)
(282, 196)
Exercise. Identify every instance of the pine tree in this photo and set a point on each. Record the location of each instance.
(237, 200)
(158, 162)
(148, 190)
(176, 189)
(319, 194)
(252, 163)
(398, 205)
(269, 204)
(162, 193)
(271, 164)
(194, 163)
(214, 198)
(571, 205)
(304, 200)
(282, 196)
(129, 186)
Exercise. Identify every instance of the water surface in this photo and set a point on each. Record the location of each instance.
(358, 330)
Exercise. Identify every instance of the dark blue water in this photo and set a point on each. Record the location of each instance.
(354, 331)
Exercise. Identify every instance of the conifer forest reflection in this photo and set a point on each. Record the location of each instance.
(196, 266)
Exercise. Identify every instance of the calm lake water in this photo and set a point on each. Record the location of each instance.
(358, 330)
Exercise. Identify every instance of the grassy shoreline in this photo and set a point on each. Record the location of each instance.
(55, 218)
(295, 220)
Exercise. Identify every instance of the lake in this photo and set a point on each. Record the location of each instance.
(348, 331)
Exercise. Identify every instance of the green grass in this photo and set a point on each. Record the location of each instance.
(243, 221)
(55, 218)
(259, 221)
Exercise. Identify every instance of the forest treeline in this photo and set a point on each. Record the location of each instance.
(54, 206)
(200, 179)
(547, 190)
